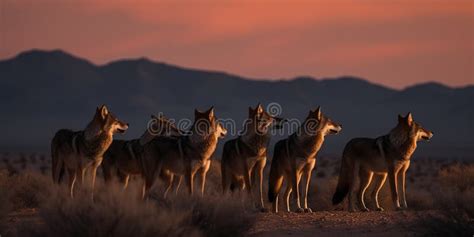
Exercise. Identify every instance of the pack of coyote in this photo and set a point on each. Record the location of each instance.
(171, 154)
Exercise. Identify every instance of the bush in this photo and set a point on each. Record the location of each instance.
(4, 198)
(454, 198)
(419, 199)
(452, 223)
(457, 188)
(28, 189)
(320, 193)
(118, 213)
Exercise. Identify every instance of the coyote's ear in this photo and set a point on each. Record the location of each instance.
(103, 111)
(318, 113)
(409, 119)
(210, 112)
(259, 108)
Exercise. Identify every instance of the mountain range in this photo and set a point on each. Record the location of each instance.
(43, 91)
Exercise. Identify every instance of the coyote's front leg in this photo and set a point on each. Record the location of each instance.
(392, 178)
(261, 167)
(94, 167)
(296, 182)
(308, 171)
(403, 174)
(204, 170)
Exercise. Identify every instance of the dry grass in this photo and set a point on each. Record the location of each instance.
(457, 182)
(439, 185)
(27, 190)
(117, 213)
(4, 199)
(419, 199)
(455, 196)
(323, 189)
(431, 185)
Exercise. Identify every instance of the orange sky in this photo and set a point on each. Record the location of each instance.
(395, 43)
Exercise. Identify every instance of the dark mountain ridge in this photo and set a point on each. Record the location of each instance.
(42, 91)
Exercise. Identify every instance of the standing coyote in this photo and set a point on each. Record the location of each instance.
(125, 158)
(78, 151)
(247, 154)
(191, 153)
(295, 156)
(382, 156)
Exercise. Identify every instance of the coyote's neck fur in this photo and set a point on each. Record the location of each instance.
(255, 142)
(203, 145)
(94, 139)
(308, 145)
(403, 141)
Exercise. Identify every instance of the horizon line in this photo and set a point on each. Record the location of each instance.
(249, 78)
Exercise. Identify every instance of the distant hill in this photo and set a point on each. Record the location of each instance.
(42, 91)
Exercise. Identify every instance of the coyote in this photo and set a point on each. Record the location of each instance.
(247, 154)
(296, 156)
(382, 156)
(124, 158)
(190, 153)
(80, 150)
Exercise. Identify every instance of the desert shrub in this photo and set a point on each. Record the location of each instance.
(44, 169)
(4, 196)
(454, 198)
(320, 194)
(336, 169)
(453, 222)
(118, 213)
(109, 215)
(456, 189)
(458, 177)
(11, 169)
(27, 189)
(213, 179)
(218, 216)
(419, 199)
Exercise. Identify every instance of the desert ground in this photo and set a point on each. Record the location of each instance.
(440, 196)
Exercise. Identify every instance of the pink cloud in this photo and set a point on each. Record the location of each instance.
(257, 38)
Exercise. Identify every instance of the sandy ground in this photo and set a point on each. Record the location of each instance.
(325, 223)
(24, 217)
(339, 223)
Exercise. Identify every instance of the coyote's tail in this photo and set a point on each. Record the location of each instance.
(275, 180)
(344, 183)
(56, 162)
